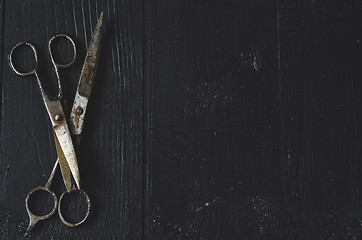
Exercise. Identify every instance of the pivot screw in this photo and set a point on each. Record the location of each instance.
(79, 110)
(58, 117)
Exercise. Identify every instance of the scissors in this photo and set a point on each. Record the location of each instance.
(67, 158)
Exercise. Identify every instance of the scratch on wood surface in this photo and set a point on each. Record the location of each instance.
(84, 26)
(6, 173)
(56, 22)
(117, 43)
(46, 19)
(209, 203)
(65, 19)
(112, 49)
(250, 57)
(97, 12)
(90, 17)
(75, 20)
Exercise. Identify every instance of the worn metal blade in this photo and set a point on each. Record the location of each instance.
(86, 80)
(64, 167)
(65, 142)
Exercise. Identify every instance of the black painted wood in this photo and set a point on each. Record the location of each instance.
(319, 93)
(254, 120)
(214, 170)
(209, 119)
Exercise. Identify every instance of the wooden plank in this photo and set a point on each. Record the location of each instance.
(112, 144)
(320, 99)
(356, 74)
(213, 120)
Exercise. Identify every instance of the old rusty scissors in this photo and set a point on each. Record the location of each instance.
(67, 158)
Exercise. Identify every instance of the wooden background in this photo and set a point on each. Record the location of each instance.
(210, 119)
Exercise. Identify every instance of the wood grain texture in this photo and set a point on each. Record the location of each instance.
(111, 149)
(254, 120)
(210, 119)
(214, 161)
(320, 172)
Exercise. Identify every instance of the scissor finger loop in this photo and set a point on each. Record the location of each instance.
(34, 218)
(69, 224)
(11, 63)
(50, 45)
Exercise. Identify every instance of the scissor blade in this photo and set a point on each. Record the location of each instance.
(65, 141)
(86, 80)
(64, 167)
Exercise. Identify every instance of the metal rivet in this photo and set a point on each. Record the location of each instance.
(79, 110)
(58, 117)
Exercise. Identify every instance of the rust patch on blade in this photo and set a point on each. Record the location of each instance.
(77, 114)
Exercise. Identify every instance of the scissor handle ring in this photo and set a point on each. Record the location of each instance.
(36, 217)
(88, 208)
(33, 71)
(58, 65)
